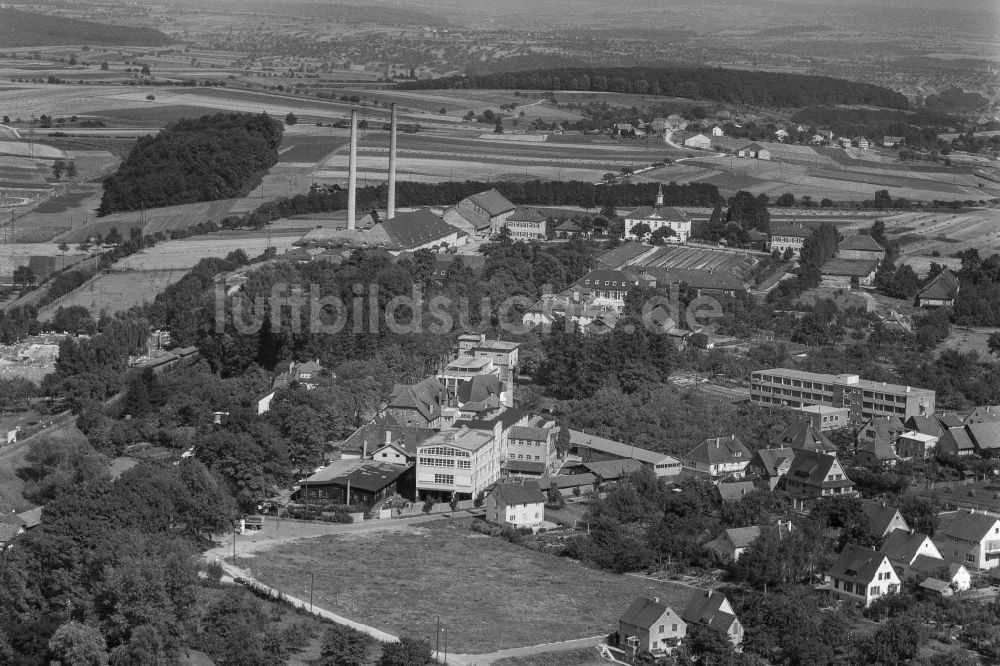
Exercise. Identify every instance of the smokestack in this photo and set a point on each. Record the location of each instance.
(391, 207)
(352, 173)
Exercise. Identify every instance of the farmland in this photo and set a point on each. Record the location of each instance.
(400, 582)
(116, 292)
(184, 254)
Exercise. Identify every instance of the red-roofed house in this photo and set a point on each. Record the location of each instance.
(719, 457)
(813, 475)
(969, 537)
(712, 609)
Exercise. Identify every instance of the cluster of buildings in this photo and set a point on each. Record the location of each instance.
(648, 625)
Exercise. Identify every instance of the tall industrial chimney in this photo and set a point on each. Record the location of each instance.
(391, 208)
(352, 173)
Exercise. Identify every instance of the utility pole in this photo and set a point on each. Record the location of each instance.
(311, 579)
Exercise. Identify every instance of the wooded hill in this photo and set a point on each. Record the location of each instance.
(705, 83)
(19, 28)
(205, 159)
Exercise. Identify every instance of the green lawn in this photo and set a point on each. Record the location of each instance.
(490, 594)
(12, 459)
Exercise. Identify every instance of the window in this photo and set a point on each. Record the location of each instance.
(662, 629)
(673, 628)
(970, 557)
(446, 479)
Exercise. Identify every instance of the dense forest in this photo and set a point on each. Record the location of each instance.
(19, 28)
(204, 159)
(716, 84)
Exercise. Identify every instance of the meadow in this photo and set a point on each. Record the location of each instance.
(116, 292)
(184, 254)
(489, 593)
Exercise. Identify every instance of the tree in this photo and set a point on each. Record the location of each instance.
(57, 169)
(407, 652)
(104, 66)
(498, 128)
(24, 276)
(113, 237)
(76, 644)
(344, 646)
(993, 344)
(659, 236)
(64, 248)
(640, 230)
(291, 119)
(145, 70)
(609, 211)
(71, 169)
(786, 200)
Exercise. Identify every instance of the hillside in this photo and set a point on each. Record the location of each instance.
(19, 28)
(704, 83)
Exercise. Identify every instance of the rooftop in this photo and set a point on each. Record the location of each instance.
(849, 267)
(966, 524)
(460, 438)
(944, 286)
(857, 564)
(644, 612)
(860, 242)
(492, 202)
(519, 492)
(422, 226)
(610, 446)
(367, 475)
(718, 450)
(843, 380)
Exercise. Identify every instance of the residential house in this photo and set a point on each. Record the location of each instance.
(719, 457)
(7, 534)
(482, 397)
(865, 398)
(862, 143)
(771, 464)
(883, 519)
(926, 424)
(895, 322)
(983, 414)
(604, 288)
(781, 135)
(754, 151)
(846, 273)
(803, 436)
(877, 455)
(732, 542)
(460, 463)
(861, 247)
(717, 131)
(526, 224)
(531, 449)
(880, 430)
(516, 504)
(574, 307)
(969, 537)
(712, 609)
(593, 448)
(658, 216)
(360, 482)
(306, 375)
(892, 141)
(490, 206)
(955, 574)
(986, 438)
(939, 292)
(861, 574)
(420, 229)
(956, 442)
(649, 626)
(699, 141)
(788, 237)
(915, 445)
(418, 405)
(844, 142)
(824, 418)
(813, 475)
(464, 368)
(903, 547)
(623, 130)
(503, 353)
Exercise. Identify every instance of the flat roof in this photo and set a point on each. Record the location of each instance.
(460, 438)
(465, 362)
(610, 446)
(843, 380)
(822, 409)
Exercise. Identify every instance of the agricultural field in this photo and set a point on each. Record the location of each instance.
(184, 254)
(922, 234)
(489, 593)
(116, 292)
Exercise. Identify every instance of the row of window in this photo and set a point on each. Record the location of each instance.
(526, 442)
(446, 479)
(524, 457)
(818, 397)
(444, 451)
(799, 383)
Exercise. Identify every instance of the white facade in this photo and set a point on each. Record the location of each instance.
(462, 462)
(884, 582)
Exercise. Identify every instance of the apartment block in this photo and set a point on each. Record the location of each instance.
(862, 397)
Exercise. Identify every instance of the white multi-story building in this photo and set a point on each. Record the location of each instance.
(658, 216)
(458, 463)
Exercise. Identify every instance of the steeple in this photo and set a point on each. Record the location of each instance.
(659, 196)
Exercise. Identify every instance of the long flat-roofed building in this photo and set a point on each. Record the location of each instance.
(864, 398)
(461, 462)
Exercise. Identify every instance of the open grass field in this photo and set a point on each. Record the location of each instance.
(310, 149)
(944, 233)
(184, 254)
(581, 657)
(489, 593)
(167, 218)
(116, 292)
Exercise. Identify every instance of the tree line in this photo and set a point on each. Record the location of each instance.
(716, 84)
(205, 159)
